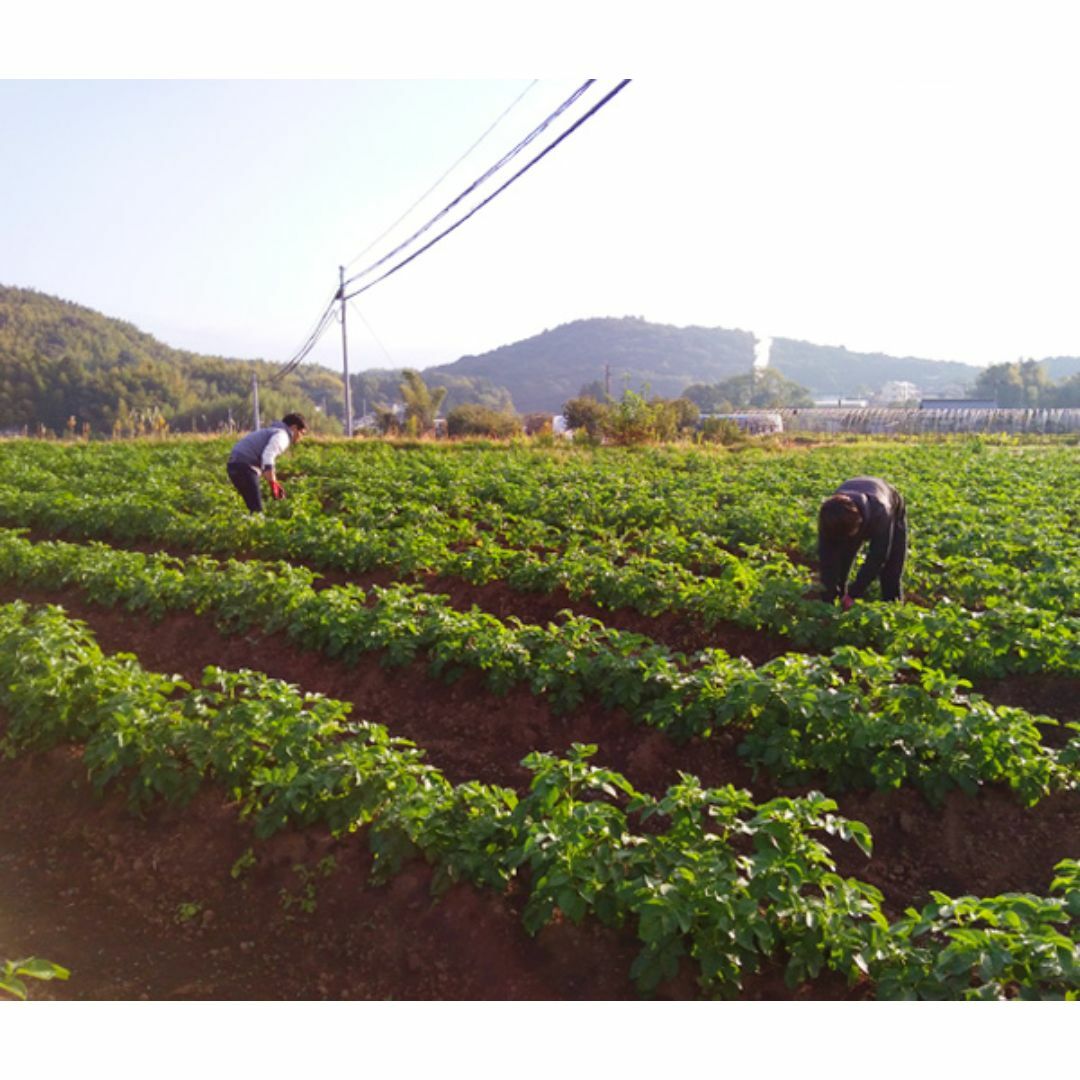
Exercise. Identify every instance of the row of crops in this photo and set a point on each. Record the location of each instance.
(876, 698)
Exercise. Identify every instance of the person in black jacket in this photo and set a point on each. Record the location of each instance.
(865, 509)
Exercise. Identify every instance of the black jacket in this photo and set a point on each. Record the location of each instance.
(882, 509)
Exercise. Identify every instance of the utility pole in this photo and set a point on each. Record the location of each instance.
(607, 380)
(255, 401)
(345, 357)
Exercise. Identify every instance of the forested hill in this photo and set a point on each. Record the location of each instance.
(827, 370)
(1061, 367)
(542, 372)
(34, 323)
(62, 364)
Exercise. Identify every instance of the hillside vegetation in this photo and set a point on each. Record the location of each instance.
(832, 370)
(542, 372)
(66, 367)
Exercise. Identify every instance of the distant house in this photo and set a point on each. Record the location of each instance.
(958, 403)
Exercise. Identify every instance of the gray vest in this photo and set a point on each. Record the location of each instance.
(249, 450)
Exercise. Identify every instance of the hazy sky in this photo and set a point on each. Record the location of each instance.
(904, 184)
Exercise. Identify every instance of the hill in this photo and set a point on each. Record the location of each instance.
(833, 371)
(541, 372)
(63, 365)
(1061, 367)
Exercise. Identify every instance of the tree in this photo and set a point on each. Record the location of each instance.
(763, 389)
(472, 419)
(1066, 394)
(421, 403)
(1019, 385)
(586, 414)
(631, 420)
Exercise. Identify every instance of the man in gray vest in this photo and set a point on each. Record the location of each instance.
(256, 453)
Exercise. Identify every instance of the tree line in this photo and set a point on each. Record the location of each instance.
(1024, 384)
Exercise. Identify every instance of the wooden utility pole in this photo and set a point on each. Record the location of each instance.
(255, 401)
(345, 358)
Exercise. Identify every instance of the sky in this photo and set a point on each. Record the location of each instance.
(901, 180)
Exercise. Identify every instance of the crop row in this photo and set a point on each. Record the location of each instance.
(983, 527)
(982, 524)
(861, 718)
(755, 591)
(732, 883)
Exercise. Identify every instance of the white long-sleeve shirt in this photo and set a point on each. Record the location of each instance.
(277, 444)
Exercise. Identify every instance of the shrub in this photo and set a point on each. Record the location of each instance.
(586, 414)
(475, 419)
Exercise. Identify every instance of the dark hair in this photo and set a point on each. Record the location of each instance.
(839, 516)
(294, 419)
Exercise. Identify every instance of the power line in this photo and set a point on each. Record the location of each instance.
(360, 315)
(501, 163)
(326, 319)
(502, 116)
(329, 316)
(498, 191)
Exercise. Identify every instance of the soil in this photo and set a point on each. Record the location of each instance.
(149, 908)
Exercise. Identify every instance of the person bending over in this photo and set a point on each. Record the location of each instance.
(864, 510)
(256, 453)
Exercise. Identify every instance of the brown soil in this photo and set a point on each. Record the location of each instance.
(90, 886)
(676, 630)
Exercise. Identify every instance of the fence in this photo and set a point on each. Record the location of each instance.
(933, 421)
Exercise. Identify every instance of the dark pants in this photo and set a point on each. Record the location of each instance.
(891, 588)
(246, 480)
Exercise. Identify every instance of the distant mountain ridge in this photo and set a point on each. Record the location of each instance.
(543, 371)
(832, 370)
(66, 367)
(60, 362)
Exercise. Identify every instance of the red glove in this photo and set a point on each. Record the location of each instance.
(277, 490)
(846, 602)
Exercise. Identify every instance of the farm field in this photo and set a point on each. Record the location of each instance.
(477, 721)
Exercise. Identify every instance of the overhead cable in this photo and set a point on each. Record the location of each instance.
(386, 232)
(501, 163)
(328, 317)
(360, 315)
(524, 169)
